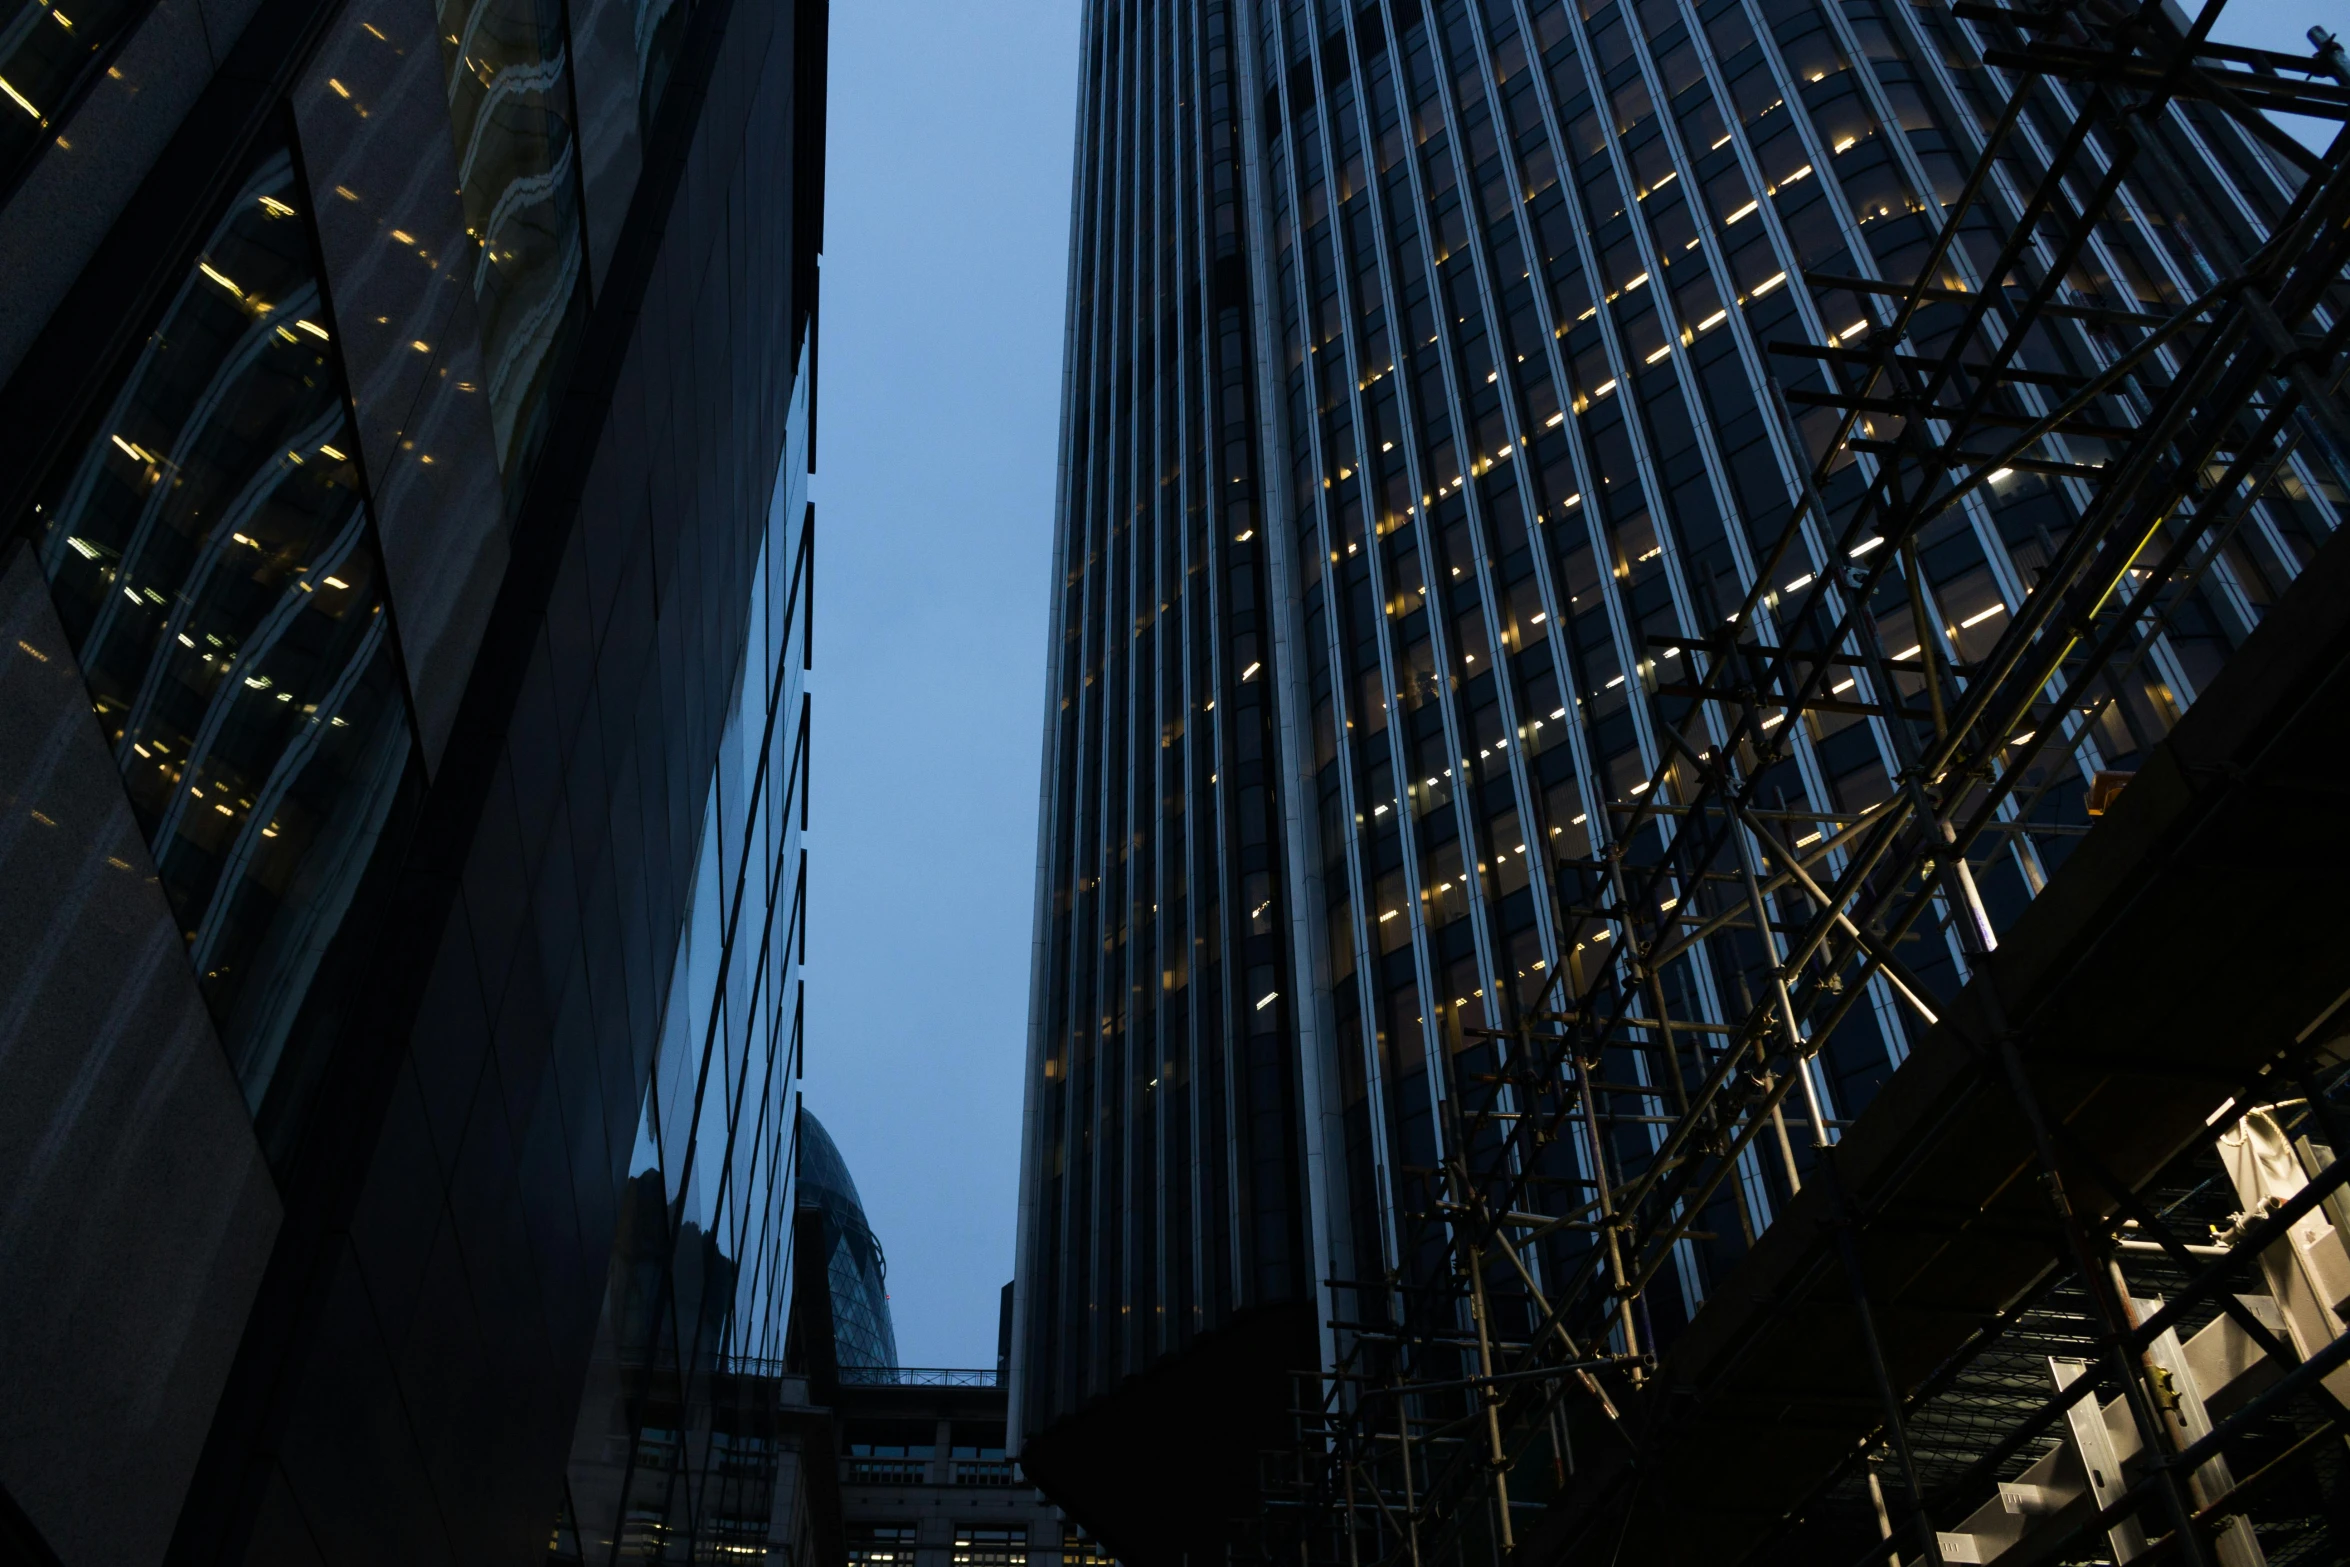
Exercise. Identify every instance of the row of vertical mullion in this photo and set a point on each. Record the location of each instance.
(1052, 1335)
(2082, 744)
(1620, 620)
(1361, 887)
(1426, 974)
(1662, 522)
(1209, 438)
(1465, 795)
(1791, 458)
(1882, 1005)
(1651, 489)
(1168, 1308)
(1080, 1187)
(1717, 263)
(1856, 244)
(1990, 544)
(1139, 685)
(1119, 519)
(1541, 873)
(1230, 1023)
(2163, 257)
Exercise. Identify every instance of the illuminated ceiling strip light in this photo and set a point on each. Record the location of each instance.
(22, 101)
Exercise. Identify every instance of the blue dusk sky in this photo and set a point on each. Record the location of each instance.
(938, 427)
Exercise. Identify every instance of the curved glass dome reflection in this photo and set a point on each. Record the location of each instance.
(860, 1298)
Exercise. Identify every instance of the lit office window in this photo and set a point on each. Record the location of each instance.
(1077, 1550)
(991, 1547)
(881, 1545)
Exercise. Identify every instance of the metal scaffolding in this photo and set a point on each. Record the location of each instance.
(1631, 1113)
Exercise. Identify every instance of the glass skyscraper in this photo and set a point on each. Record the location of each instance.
(406, 415)
(1428, 377)
(863, 1332)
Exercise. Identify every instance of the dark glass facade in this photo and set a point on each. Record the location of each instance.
(209, 554)
(1424, 381)
(678, 1453)
(406, 415)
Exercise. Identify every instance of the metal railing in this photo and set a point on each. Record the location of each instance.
(916, 1376)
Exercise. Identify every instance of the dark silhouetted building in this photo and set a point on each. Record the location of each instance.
(405, 419)
(1421, 403)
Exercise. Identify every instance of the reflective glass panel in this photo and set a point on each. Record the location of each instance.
(518, 172)
(49, 50)
(210, 555)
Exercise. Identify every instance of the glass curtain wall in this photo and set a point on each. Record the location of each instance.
(1372, 545)
(210, 544)
(1533, 266)
(676, 1437)
(1166, 1118)
(514, 114)
(511, 112)
(49, 52)
(212, 558)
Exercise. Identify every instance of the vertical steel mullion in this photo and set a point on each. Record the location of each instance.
(1167, 519)
(1291, 674)
(1109, 284)
(1407, 822)
(1133, 508)
(1233, 985)
(1465, 795)
(1701, 968)
(1360, 882)
(1565, 660)
(1855, 241)
(1079, 1188)
(1481, 525)
(1794, 463)
(1423, 944)
(1176, 938)
(1619, 366)
(1631, 653)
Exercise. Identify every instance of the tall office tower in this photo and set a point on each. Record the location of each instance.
(863, 1333)
(1427, 405)
(405, 415)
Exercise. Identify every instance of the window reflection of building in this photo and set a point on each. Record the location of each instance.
(678, 1444)
(517, 170)
(658, 23)
(211, 558)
